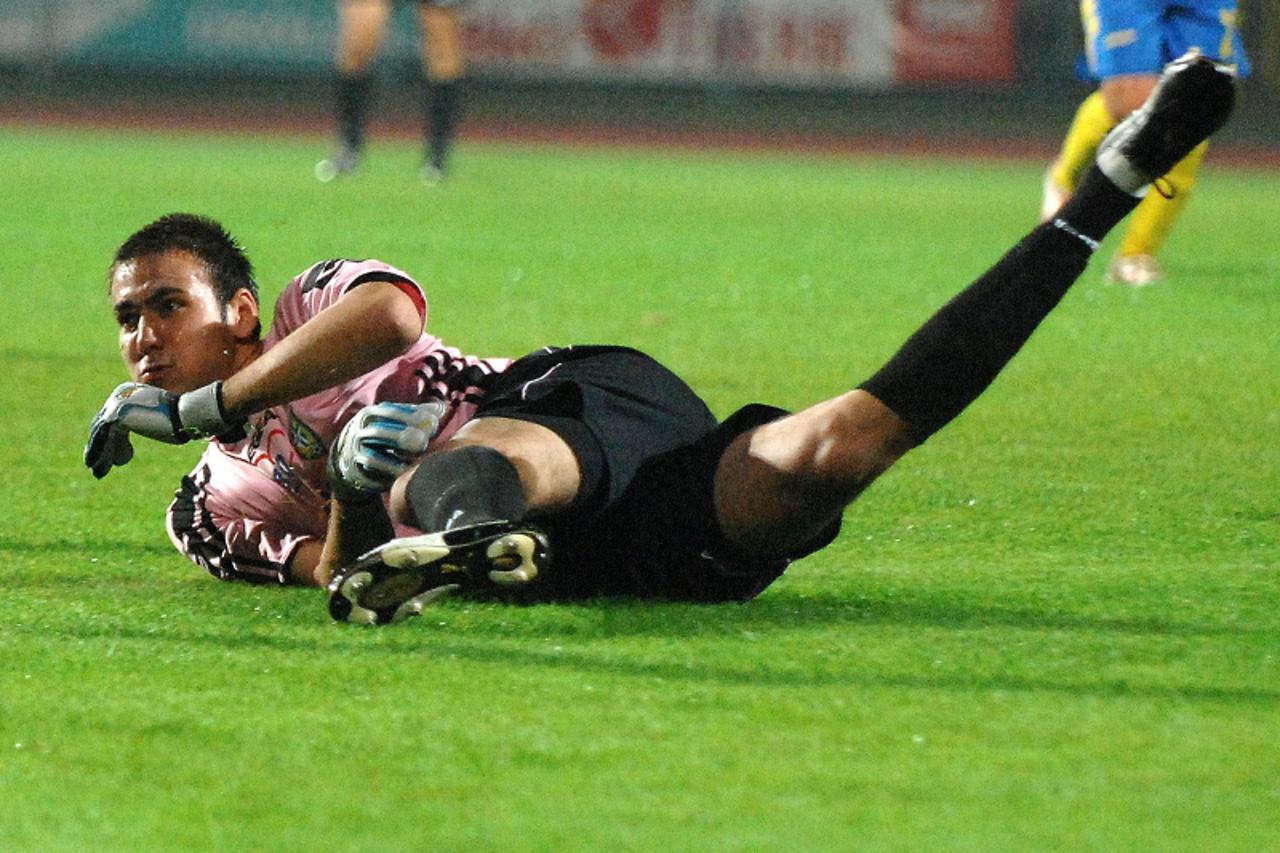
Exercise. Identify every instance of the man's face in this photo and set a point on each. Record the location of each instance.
(173, 332)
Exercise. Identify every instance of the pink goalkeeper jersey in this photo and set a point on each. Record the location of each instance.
(249, 504)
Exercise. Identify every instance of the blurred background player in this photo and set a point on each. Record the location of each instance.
(362, 29)
(1127, 42)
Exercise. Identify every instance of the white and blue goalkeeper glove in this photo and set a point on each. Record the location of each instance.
(378, 445)
(155, 413)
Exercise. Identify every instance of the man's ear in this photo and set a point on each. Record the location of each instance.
(242, 315)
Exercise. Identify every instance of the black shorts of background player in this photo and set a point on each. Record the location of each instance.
(362, 30)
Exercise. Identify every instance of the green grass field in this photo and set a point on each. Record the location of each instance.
(1056, 626)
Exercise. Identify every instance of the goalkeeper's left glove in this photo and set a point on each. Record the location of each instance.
(378, 445)
(154, 413)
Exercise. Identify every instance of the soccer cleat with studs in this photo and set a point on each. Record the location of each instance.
(1190, 102)
(395, 581)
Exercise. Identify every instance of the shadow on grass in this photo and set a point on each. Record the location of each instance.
(772, 613)
(83, 550)
(581, 662)
(782, 612)
(845, 672)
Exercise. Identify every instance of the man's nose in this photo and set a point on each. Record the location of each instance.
(148, 335)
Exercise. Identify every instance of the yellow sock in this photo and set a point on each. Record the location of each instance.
(1091, 123)
(1155, 215)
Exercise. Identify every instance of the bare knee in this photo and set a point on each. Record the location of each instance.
(441, 43)
(361, 29)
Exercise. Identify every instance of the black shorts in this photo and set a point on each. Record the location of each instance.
(648, 448)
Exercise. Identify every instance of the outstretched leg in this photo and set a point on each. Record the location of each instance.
(778, 485)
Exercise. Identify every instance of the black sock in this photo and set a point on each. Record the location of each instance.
(465, 486)
(443, 103)
(954, 356)
(1096, 206)
(352, 96)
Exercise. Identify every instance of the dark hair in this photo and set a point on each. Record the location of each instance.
(229, 266)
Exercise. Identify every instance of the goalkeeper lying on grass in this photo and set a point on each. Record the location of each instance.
(350, 450)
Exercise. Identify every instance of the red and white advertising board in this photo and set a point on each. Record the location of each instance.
(830, 43)
(942, 41)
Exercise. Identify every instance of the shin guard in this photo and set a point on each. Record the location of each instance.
(465, 486)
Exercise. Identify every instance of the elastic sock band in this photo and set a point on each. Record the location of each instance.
(1097, 206)
(1062, 225)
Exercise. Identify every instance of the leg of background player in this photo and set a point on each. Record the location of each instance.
(1135, 263)
(1092, 122)
(362, 26)
(444, 64)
